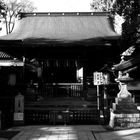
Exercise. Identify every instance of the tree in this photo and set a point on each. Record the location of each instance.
(1, 6)
(125, 14)
(102, 5)
(1, 10)
(129, 10)
(12, 9)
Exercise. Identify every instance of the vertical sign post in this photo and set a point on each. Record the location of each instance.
(98, 80)
(98, 98)
(101, 79)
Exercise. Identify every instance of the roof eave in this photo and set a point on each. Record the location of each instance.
(127, 64)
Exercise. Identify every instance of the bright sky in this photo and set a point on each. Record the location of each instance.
(63, 5)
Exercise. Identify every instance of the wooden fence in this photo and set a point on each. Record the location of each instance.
(62, 90)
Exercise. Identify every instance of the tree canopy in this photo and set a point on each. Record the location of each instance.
(1, 9)
(1, 6)
(102, 5)
(130, 10)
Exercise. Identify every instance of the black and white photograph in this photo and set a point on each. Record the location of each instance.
(69, 70)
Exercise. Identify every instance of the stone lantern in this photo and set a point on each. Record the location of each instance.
(124, 112)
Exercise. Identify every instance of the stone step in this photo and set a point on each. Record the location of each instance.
(126, 111)
(126, 126)
(125, 121)
(128, 115)
(127, 108)
(131, 119)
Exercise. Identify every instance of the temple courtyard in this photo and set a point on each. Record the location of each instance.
(72, 132)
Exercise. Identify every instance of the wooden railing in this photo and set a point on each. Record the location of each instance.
(62, 90)
(60, 115)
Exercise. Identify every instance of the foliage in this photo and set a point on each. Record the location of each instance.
(1, 10)
(1, 6)
(11, 10)
(102, 5)
(130, 10)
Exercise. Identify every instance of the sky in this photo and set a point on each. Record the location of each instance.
(63, 5)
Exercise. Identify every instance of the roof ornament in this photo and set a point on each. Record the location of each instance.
(77, 14)
(129, 51)
(34, 14)
(124, 76)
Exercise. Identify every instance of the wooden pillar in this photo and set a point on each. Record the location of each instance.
(84, 78)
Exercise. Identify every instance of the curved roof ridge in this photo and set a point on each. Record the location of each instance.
(32, 14)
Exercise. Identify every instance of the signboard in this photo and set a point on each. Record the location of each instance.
(98, 78)
(18, 116)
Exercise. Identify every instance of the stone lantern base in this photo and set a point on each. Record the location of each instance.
(124, 113)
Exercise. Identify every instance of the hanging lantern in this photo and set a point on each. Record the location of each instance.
(12, 79)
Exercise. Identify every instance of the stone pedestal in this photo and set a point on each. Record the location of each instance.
(124, 112)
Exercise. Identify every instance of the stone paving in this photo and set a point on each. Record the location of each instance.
(73, 132)
(130, 134)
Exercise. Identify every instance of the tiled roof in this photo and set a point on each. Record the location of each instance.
(128, 64)
(61, 27)
(8, 60)
(4, 55)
